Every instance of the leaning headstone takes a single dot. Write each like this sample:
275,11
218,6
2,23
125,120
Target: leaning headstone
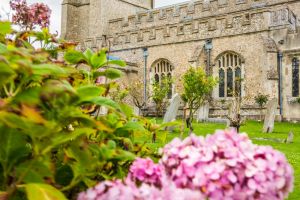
202,114
270,116
232,112
136,111
172,109
290,137
103,111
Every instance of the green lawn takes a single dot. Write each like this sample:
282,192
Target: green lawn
253,129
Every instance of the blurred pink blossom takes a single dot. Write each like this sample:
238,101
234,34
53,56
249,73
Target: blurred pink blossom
30,16
225,165
228,165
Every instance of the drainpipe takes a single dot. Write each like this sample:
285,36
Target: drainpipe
280,83
208,47
145,54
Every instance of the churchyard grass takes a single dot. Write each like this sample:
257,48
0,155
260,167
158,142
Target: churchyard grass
254,130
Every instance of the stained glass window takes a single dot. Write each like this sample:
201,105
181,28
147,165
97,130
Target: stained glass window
229,82
295,77
170,86
163,68
230,74
221,83
238,79
156,77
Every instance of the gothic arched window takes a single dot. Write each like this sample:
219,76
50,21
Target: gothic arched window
161,69
230,74
295,77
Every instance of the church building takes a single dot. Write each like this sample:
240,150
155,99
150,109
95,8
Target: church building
257,41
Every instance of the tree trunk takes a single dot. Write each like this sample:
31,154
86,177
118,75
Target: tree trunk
154,137
190,121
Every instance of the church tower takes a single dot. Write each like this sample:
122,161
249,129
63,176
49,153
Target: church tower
89,18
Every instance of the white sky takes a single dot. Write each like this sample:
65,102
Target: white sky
56,9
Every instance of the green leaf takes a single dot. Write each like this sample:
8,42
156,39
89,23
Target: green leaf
168,124
6,73
48,69
5,28
37,171
3,48
127,110
30,96
112,73
84,160
124,156
102,101
66,137
74,57
88,55
12,147
99,59
111,144
43,192
64,175
120,63
89,91
128,129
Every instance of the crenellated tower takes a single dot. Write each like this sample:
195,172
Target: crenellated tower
89,18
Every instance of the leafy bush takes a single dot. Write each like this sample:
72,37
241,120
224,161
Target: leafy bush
197,88
223,165
159,95
51,140
261,100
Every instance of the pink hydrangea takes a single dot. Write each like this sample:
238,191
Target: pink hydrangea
117,190
227,165
146,171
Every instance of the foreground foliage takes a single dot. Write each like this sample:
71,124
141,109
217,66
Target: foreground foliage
53,141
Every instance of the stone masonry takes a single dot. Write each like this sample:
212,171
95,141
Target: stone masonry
255,31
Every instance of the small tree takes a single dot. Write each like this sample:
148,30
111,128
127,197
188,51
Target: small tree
136,92
197,88
160,91
261,100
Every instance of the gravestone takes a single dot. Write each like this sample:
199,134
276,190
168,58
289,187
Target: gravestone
202,114
136,111
290,137
172,109
232,109
270,116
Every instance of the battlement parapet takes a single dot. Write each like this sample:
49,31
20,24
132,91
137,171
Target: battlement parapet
182,12
195,20
283,17
76,3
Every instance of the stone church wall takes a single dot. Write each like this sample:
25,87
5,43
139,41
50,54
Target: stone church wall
254,29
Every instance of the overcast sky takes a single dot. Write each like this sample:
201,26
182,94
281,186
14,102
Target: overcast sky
56,9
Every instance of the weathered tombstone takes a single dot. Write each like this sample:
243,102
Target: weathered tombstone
270,116
103,111
290,137
172,109
231,114
136,111
202,114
